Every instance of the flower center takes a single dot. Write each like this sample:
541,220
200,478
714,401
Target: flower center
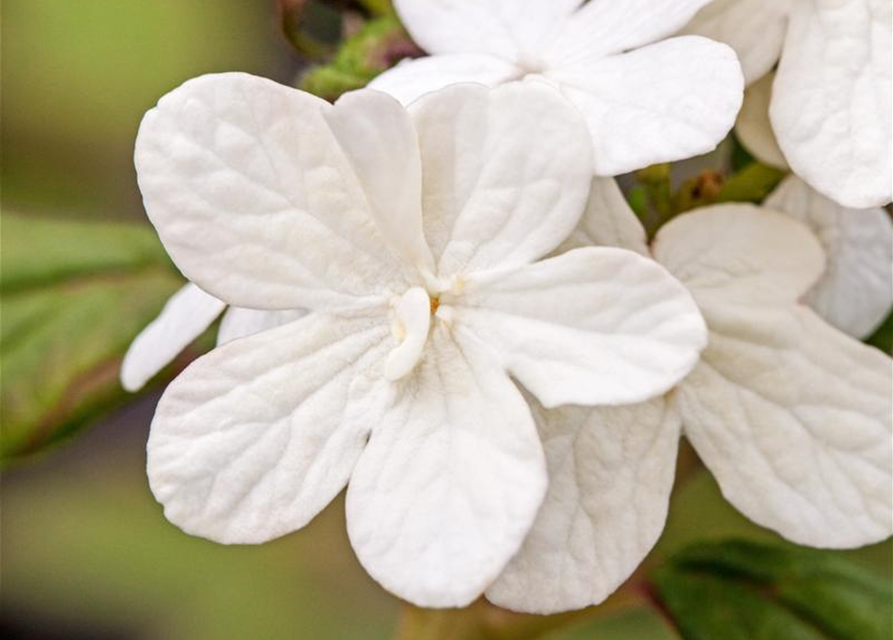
412,320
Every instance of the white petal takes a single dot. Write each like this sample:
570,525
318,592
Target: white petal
257,436
608,221
504,28
604,27
254,199
184,318
506,173
239,322
754,129
610,475
755,29
412,79
740,254
667,101
831,103
591,326
794,420
451,479
856,291
379,140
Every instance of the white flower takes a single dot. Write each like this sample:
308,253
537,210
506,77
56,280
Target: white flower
792,416
831,102
412,238
856,290
645,99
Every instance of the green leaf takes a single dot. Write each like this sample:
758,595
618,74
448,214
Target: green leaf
378,46
883,337
752,591
73,294
752,184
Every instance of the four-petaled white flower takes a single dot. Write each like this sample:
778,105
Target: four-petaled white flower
831,102
414,239
792,416
645,99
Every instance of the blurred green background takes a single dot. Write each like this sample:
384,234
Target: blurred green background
86,551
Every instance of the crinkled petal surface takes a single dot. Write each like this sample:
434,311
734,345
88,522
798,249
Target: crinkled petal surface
596,325
412,79
184,318
666,101
503,28
831,104
377,134
256,437
754,129
610,475
239,322
755,29
608,221
255,200
794,420
856,291
740,254
451,480
506,173
603,27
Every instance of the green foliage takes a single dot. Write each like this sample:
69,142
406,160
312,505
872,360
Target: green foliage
751,184
73,296
883,337
379,45
752,591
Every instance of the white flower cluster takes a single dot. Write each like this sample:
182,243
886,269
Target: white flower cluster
449,308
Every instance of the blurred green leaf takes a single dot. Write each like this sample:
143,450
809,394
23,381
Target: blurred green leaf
73,294
751,184
883,337
752,591
378,46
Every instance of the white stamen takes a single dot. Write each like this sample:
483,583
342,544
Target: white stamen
411,324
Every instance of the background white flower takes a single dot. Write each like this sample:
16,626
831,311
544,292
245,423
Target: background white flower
792,416
187,315
645,99
855,292
412,238
831,102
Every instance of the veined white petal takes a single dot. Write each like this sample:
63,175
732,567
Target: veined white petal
855,292
755,29
412,79
503,28
794,419
413,321
451,480
831,102
610,475
184,318
591,326
239,322
754,129
608,222
666,101
256,437
506,171
604,27
740,254
379,140
255,200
